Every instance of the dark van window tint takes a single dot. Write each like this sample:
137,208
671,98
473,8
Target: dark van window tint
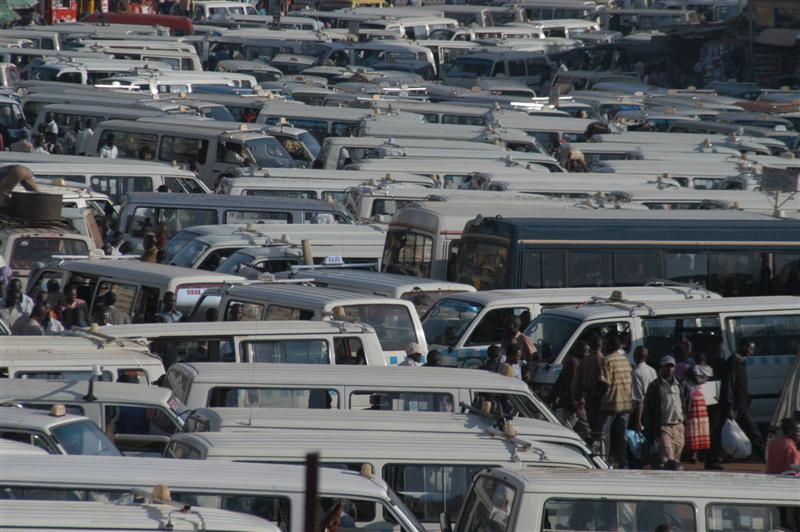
316,398
583,514
401,401
129,144
516,68
286,351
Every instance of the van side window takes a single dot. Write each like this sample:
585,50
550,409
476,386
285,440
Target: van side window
315,398
499,69
126,295
604,330
751,517
349,351
286,351
773,335
129,143
516,68
273,508
65,375
117,186
511,402
583,514
237,311
490,328
31,439
146,305
661,335
243,217
355,510
278,312
182,149
401,401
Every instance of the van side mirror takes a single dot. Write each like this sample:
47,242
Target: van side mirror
444,523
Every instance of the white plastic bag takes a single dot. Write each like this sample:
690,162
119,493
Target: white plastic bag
734,441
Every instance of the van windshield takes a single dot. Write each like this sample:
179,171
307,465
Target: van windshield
177,242
550,333
447,321
311,143
392,323
83,437
269,153
27,252
189,254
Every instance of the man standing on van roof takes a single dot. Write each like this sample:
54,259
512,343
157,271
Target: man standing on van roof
734,395
413,356
615,405
665,407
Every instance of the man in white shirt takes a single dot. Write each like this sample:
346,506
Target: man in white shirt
109,149
643,375
413,356
50,124
83,138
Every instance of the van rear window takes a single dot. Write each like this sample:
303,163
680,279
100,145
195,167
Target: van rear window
401,401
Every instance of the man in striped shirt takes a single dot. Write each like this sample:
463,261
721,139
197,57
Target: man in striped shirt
615,403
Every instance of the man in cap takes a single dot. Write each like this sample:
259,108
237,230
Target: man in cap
665,407
413,355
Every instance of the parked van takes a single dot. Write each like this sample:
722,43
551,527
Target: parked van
216,151
73,516
138,286
137,418
66,358
209,484
428,476
350,388
332,191
288,342
714,326
463,326
395,320
420,291
538,499
276,246
170,213
54,431
531,68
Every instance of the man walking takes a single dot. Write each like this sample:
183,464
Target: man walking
734,395
615,405
587,387
664,414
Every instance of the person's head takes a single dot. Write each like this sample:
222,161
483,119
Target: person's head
667,369
53,286
613,344
434,358
524,319
109,299
149,240
212,314
126,248
513,325
110,140
49,117
70,294
146,153
581,349
640,354
791,428
236,312
162,188
41,311
414,351
16,284
701,357
90,123
513,354
746,347
595,342
169,301
13,297
41,296
680,353
493,352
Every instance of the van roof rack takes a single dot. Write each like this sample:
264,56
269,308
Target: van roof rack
297,268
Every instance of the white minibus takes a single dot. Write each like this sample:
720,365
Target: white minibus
713,326
463,326
351,388
514,500
275,492
395,320
138,286
64,358
287,342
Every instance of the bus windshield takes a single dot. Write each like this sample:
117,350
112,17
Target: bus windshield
268,153
408,253
550,333
483,263
447,321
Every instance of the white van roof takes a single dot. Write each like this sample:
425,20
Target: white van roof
661,484
75,391
239,328
147,273
76,515
672,308
319,375
547,296
180,475
18,450
343,278
33,419
43,352
302,295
